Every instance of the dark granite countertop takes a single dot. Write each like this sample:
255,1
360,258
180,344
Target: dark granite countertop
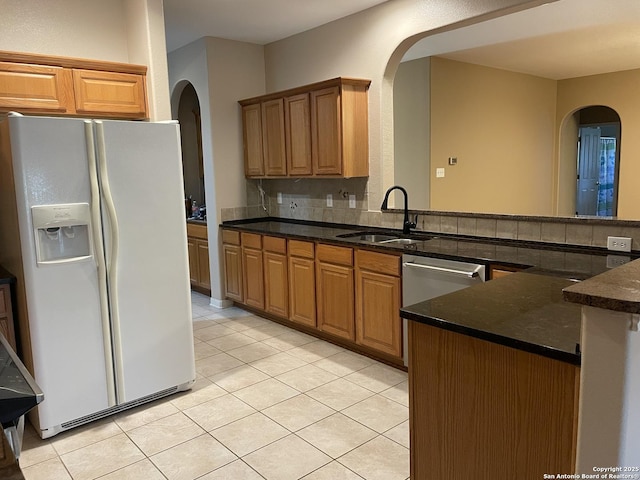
523,310
617,289
555,260
6,277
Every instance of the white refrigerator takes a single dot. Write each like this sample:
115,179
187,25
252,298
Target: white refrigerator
92,224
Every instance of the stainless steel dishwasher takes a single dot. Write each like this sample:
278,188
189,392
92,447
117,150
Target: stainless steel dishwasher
424,278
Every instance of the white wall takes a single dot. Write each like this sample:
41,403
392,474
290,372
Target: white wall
370,45
128,31
412,132
222,72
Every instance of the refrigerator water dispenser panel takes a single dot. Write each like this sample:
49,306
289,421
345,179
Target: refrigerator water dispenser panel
61,233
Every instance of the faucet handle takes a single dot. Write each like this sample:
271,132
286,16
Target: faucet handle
415,222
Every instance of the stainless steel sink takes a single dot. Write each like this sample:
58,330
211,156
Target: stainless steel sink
376,238
380,238
404,241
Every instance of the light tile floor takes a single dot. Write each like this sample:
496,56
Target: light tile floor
268,403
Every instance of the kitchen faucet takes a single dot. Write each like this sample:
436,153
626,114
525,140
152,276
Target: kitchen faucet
407,225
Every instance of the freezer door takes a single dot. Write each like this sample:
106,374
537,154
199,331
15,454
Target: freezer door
50,165
146,251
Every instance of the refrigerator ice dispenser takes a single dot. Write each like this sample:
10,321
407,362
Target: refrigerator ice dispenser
61,233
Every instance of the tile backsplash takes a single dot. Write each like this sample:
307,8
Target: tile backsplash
306,199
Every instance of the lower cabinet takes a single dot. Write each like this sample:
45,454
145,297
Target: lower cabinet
335,290
232,260
198,247
354,295
252,270
276,276
378,299
302,283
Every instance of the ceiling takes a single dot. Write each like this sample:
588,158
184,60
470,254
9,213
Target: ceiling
253,21
565,39
561,39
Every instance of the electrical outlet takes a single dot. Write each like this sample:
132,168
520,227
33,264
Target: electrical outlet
620,244
329,200
439,172
352,201
279,198
614,261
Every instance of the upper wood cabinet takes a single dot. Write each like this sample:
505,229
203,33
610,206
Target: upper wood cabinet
298,134
105,93
275,161
317,130
252,136
39,84
35,88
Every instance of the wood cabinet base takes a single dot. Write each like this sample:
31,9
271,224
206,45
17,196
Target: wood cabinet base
488,412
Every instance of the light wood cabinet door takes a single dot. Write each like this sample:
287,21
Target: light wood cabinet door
276,284
35,88
253,277
378,323
273,137
335,299
252,134
204,275
298,134
194,273
233,272
326,125
99,93
6,316
302,291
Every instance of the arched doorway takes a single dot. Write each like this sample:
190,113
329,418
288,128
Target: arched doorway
191,138
590,156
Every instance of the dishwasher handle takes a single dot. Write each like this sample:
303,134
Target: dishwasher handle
466,273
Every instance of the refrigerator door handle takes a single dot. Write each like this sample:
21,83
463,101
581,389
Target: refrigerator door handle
112,265
100,261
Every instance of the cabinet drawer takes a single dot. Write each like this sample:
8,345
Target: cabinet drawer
197,231
231,237
252,240
378,262
301,249
274,244
333,254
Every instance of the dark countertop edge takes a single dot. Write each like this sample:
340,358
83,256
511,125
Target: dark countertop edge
237,224
530,218
617,290
196,221
574,359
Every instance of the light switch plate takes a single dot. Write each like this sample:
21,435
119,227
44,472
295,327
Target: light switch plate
352,201
620,244
279,198
329,200
439,172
